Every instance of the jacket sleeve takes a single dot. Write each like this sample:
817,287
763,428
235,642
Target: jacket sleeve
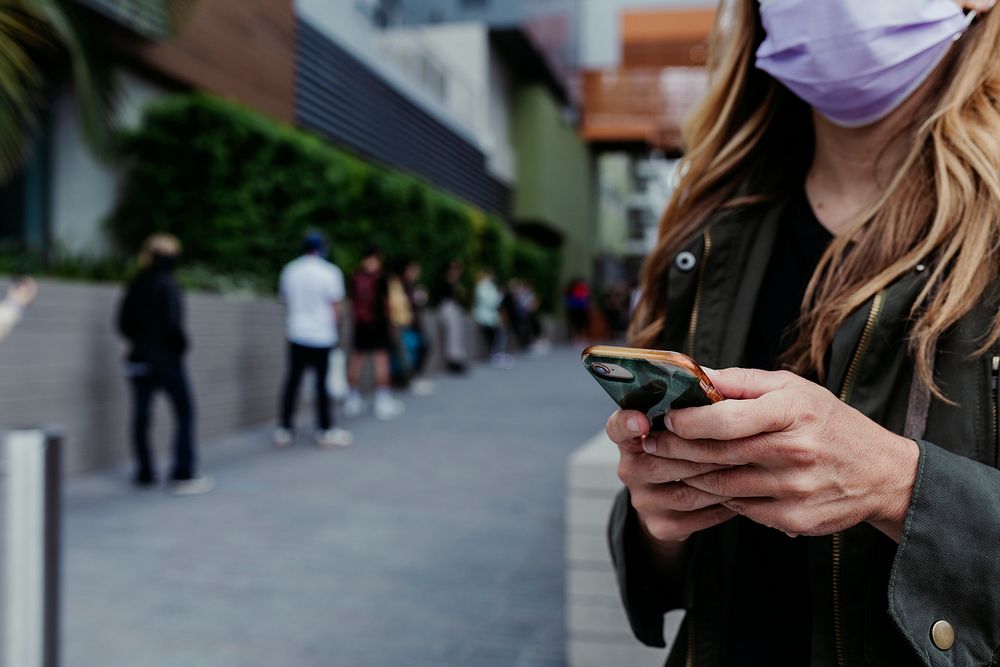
947,565
10,315
645,604
174,313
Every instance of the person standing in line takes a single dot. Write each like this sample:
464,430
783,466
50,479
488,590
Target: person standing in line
486,313
151,318
453,320
578,309
313,291
414,337
372,338
19,296
407,299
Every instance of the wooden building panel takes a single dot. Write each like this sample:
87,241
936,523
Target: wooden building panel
666,38
241,49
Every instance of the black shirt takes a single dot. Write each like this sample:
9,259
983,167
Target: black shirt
770,566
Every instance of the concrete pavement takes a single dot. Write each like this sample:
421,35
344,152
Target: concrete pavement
435,541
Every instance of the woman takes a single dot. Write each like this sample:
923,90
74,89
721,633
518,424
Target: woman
838,216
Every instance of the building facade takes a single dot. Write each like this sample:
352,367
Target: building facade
437,101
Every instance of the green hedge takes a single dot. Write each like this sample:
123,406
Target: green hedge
240,190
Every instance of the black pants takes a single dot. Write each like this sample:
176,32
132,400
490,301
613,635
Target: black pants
171,379
300,359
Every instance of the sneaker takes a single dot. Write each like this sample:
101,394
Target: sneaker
422,387
196,486
283,438
354,406
333,438
387,408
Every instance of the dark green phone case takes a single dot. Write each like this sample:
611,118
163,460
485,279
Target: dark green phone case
655,389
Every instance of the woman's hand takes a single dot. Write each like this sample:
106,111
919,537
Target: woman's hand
806,463
23,292
669,510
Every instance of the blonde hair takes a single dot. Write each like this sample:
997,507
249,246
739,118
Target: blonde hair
164,245
750,140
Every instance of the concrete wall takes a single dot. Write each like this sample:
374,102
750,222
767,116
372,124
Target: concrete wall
62,366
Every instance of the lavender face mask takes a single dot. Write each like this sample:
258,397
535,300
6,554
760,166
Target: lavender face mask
856,61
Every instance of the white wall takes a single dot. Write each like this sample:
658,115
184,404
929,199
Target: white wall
502,156
600,26
83,190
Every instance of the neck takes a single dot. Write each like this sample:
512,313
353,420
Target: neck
852,166
850,169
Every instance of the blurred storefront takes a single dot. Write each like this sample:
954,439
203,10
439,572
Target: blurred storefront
632,118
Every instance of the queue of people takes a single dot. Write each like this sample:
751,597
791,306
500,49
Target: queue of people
387,341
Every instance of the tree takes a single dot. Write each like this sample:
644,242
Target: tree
40,41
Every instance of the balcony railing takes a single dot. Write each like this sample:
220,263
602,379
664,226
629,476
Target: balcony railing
640,104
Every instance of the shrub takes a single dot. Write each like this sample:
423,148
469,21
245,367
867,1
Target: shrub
241,190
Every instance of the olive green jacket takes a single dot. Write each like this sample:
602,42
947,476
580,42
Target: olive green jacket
874,602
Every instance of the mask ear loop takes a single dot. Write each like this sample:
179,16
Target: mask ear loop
969,18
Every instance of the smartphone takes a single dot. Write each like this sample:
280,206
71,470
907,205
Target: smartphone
653,382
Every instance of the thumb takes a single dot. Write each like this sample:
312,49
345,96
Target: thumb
743,383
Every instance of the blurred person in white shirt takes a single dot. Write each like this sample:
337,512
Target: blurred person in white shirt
313,290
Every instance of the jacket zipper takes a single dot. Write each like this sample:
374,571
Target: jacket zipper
692,331
996,409
845,395
689,660
693,326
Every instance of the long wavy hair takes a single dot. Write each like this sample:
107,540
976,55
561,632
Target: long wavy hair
750,141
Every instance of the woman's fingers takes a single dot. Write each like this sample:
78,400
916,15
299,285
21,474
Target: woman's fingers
741,482
626,428
678,526
732,453
734,419
637,467
650,499
742,383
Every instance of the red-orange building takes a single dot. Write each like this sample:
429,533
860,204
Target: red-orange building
661,77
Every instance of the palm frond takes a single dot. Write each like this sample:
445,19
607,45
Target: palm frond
94,82
26,47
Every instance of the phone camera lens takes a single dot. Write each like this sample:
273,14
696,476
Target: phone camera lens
601,369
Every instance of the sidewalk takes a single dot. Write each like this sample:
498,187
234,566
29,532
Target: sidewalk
435,541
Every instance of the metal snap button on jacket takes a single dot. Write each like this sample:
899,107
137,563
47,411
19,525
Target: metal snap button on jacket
685,261
943,635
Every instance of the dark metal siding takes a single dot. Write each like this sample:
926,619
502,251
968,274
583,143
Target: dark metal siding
341,98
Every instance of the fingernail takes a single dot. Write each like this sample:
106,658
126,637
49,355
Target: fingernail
649,446
667,423
633,424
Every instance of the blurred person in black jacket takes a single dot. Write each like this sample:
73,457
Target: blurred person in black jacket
151,318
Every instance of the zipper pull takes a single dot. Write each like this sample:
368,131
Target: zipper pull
996,370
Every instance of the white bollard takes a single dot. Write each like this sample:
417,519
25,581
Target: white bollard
31,574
